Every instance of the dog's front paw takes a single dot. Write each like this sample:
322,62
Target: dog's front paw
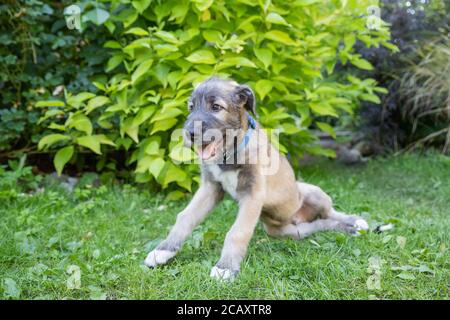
223,274
157,257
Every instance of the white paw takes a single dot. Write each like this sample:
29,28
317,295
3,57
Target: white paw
222,274
157,257
360,225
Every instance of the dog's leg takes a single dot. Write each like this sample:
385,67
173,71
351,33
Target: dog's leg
317,204
204,200
237,239
357,222
305,229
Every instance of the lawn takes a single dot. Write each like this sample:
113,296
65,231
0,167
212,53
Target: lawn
91,243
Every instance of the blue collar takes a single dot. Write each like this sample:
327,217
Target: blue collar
247,136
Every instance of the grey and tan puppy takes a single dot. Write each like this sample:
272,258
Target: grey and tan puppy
238,158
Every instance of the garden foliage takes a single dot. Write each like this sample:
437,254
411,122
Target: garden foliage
285,50
416,110
38,56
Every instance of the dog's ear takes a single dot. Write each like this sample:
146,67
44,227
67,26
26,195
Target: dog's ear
246,98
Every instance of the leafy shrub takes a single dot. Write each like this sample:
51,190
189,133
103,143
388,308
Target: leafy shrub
38,57
425,90
286,51
16,177
414,24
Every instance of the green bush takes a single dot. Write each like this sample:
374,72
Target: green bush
38,57
415,28
425,92
285,50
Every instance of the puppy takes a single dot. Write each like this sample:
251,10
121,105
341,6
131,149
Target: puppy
238,158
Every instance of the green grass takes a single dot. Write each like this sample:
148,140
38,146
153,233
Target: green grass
107,232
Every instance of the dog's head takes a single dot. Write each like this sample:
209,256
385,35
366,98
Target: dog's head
217,108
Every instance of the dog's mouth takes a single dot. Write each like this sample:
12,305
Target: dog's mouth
208,150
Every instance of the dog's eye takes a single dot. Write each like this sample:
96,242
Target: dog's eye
190,106
216,107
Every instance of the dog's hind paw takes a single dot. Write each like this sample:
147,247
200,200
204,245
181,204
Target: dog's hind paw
158,257
361,224
223,274
354,225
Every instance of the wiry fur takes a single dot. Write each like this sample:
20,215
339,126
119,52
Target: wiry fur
285,206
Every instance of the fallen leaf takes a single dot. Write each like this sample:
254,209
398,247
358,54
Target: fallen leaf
425,268
401,241
406,276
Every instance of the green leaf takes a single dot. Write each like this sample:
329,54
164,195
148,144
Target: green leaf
137,32
90,142
212,35
166,113
142,115
306,2
57,126
380,90
325,127
49,103
275,18
167,37
370,97
425,269
105,140
290,128
406,276
172,174
112,44
362,64
202,56
141,5
163,125
141,70
78,99
50,139
156,166
202,5
349,41
114,61
81,123
97,16
235,62
263,87
62,157
265,56
323,109
280,36
152,148
95,103
152,164
130,129
175,195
